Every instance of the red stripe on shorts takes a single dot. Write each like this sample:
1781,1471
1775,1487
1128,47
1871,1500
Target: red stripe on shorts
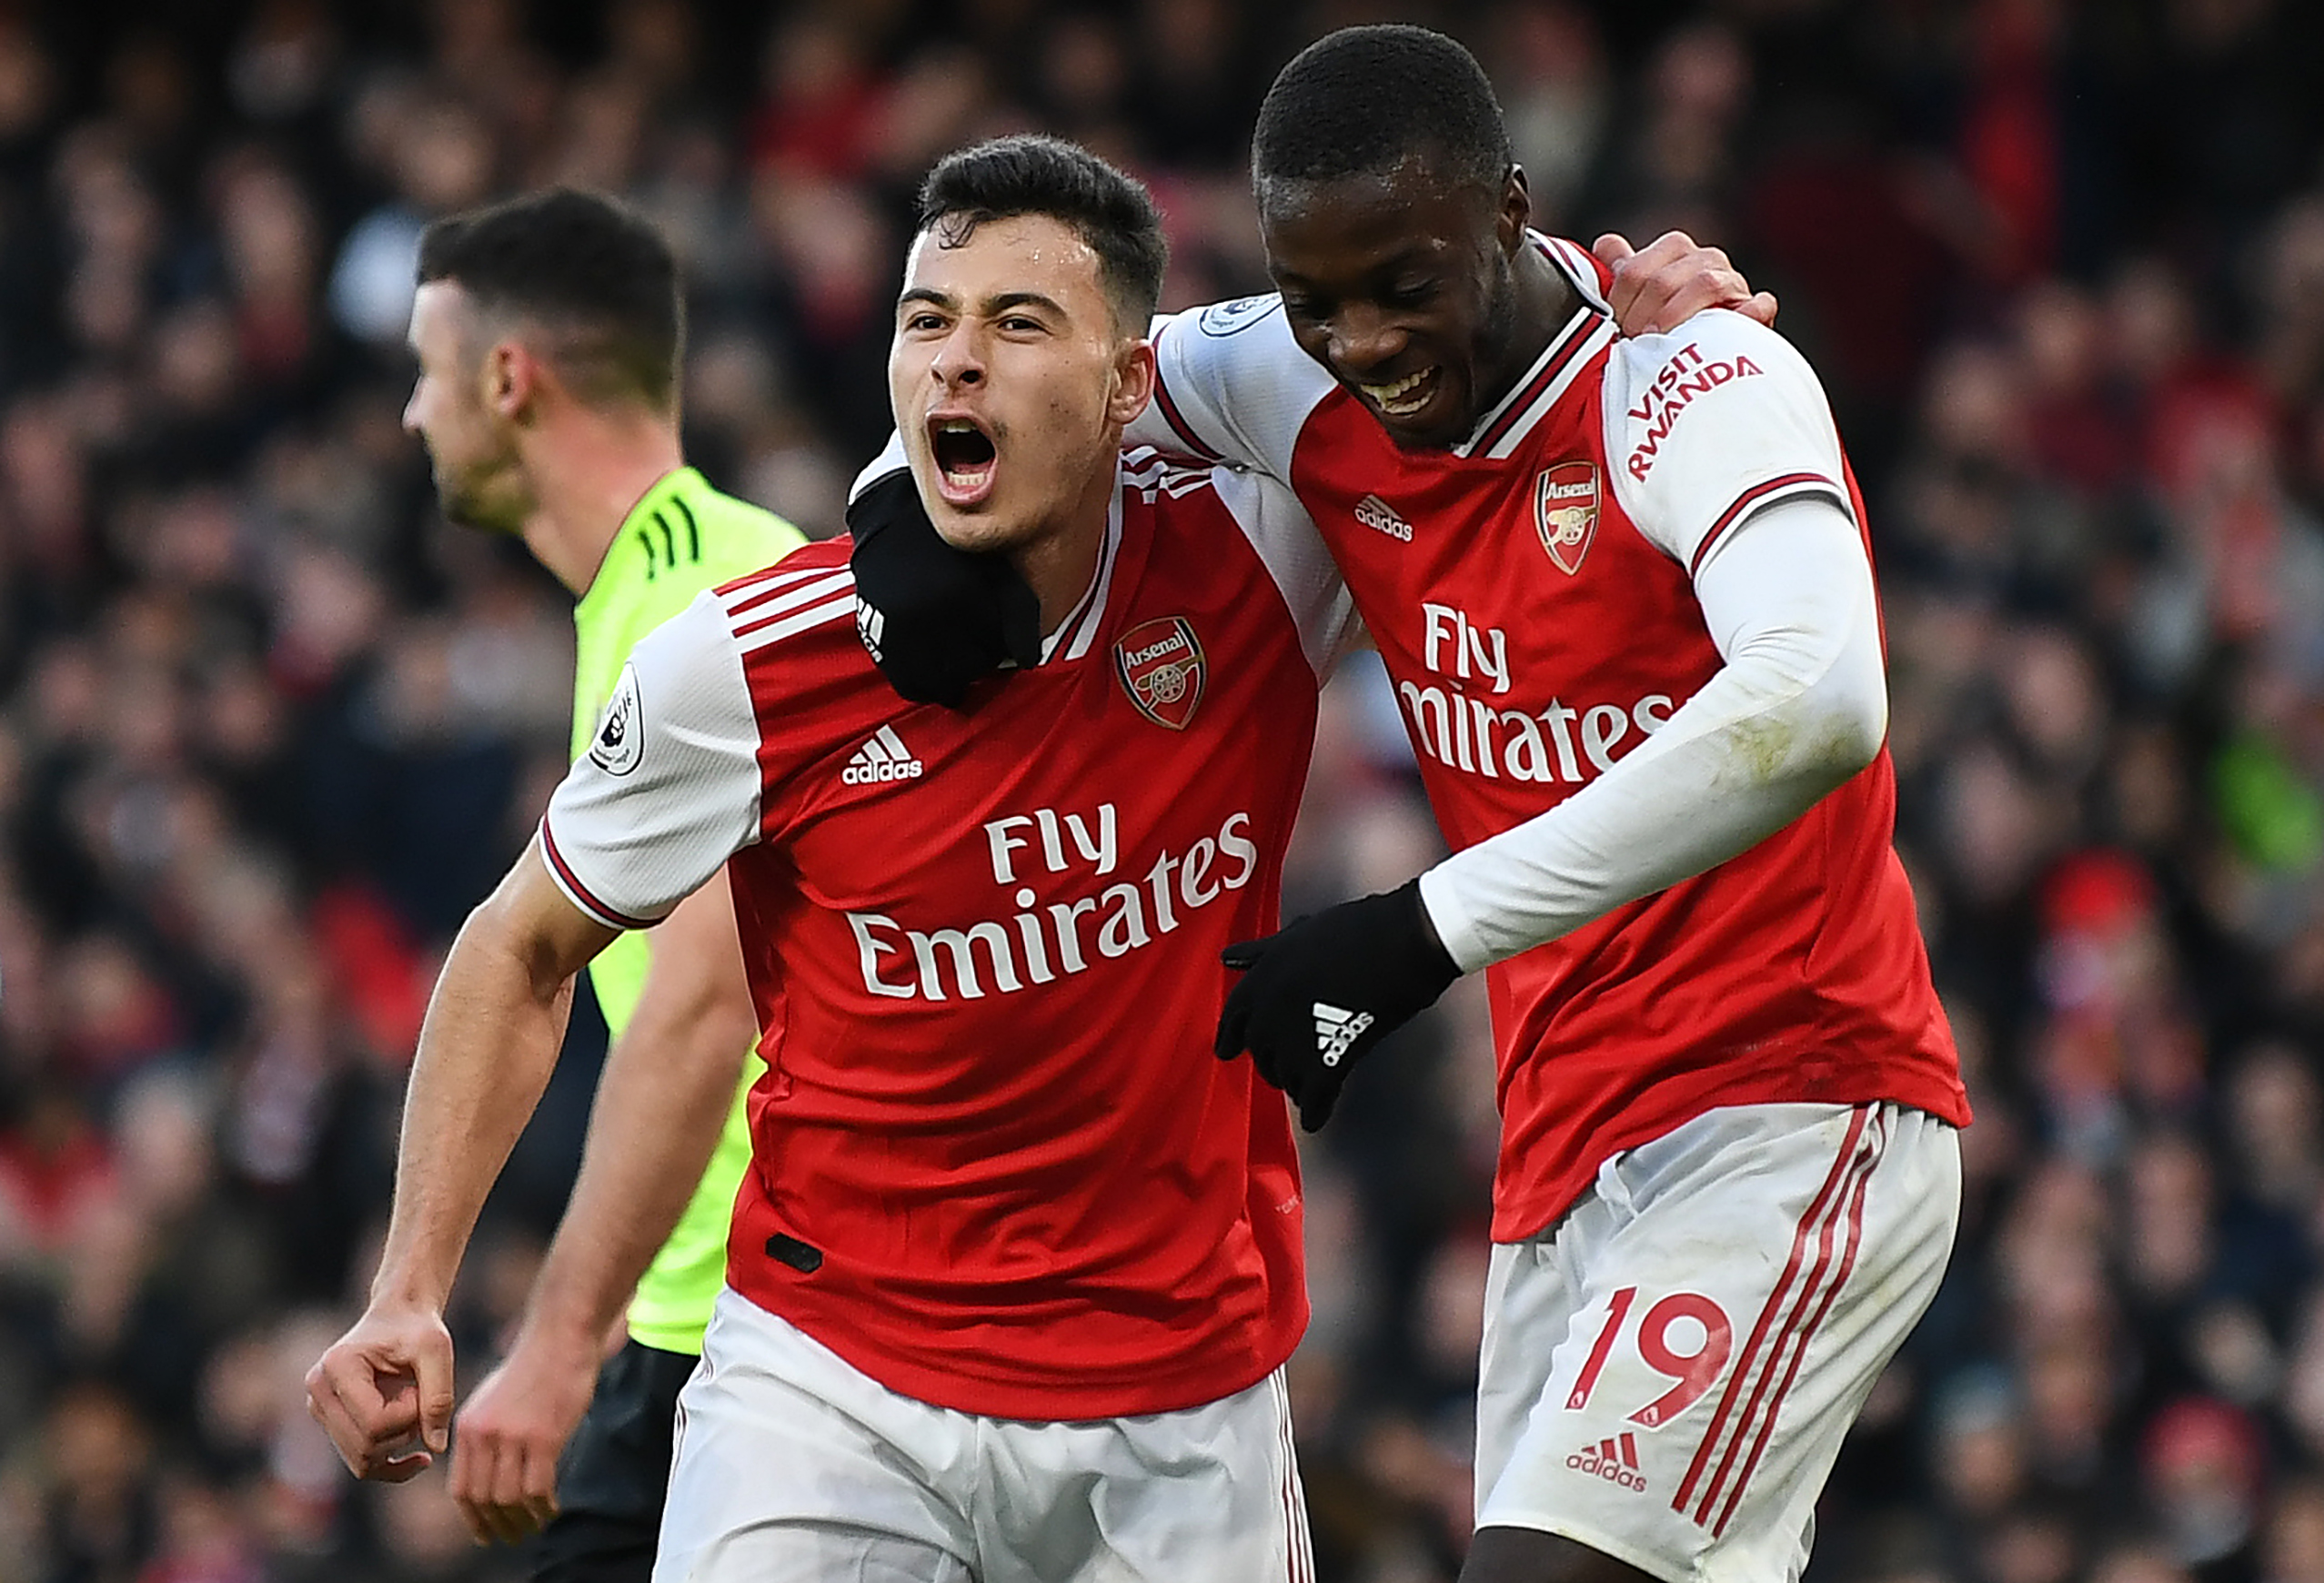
1828,1225
1861,1185
1823,1200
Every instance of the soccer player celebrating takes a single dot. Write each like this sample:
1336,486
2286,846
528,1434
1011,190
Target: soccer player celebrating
1623,590
1016,1263
548,331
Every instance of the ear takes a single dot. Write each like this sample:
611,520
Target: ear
1516,211
1133,381
512,379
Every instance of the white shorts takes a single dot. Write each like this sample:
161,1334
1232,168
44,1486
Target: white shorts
793,1467
1668,1377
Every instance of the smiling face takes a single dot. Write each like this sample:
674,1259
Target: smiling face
1011,379
1404,286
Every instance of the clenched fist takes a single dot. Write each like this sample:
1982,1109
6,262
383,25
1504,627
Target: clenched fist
383,1392
513,1431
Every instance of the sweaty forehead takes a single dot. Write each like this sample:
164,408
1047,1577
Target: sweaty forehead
1022,253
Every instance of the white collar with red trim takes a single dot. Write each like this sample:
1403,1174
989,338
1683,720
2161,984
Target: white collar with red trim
1080,629
1506,423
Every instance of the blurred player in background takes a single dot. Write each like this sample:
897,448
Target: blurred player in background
548,331
1622,591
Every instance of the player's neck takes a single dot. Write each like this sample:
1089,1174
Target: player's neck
1059,566
1545,300
588,478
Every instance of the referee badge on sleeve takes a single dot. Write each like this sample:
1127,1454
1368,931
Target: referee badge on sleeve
619,741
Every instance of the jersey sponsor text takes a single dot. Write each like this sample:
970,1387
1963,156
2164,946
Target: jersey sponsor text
1687,375
1040,943
1562,743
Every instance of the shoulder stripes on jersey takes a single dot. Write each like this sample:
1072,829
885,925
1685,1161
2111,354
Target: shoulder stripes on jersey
784,606
578,893
747,593
1765,493
1146,470
1080,629
775,605
1497,434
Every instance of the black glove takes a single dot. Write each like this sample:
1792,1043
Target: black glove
1316,996
934,619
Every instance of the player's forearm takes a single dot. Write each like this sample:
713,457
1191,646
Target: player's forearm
1799,707
663,1098
489,1042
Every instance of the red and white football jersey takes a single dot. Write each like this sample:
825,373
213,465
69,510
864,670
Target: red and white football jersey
1530,591
995,1165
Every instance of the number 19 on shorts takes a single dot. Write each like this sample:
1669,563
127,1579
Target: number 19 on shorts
1686,1337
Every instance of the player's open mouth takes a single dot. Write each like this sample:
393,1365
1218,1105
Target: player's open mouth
1405,398
965,459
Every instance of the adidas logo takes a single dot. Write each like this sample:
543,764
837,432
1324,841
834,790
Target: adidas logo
883,758
1616,1460
1336,1029
871,626
1376,513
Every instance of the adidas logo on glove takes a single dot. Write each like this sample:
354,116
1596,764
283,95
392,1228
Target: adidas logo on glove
1336,1028
871,626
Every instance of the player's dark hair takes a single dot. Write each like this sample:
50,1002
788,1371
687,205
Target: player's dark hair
1024,174
597,278
1362,100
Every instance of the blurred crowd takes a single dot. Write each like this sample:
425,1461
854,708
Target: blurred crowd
268,727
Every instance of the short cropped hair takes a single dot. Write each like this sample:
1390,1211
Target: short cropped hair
1004,178
598,277
1361,101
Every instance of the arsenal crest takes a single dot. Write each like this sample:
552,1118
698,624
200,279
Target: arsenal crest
1566,509
1160,667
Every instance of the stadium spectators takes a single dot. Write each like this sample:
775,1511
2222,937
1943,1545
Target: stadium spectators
268,728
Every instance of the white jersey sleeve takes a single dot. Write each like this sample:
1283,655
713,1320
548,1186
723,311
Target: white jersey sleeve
671,786
1711,423
1231,386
